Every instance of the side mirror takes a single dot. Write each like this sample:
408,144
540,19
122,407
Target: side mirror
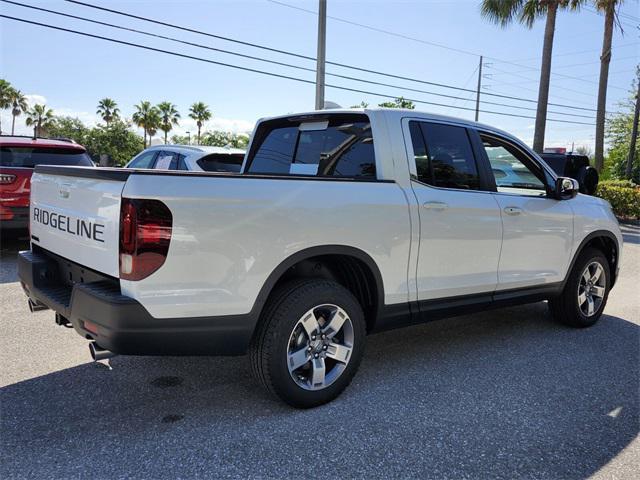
566,188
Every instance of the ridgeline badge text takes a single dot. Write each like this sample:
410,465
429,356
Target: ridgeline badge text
73,226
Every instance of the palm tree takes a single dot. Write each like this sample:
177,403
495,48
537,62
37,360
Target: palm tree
169,117
200,112
504,12
153,122
18,106
40,117
108,110
145,117
5,91
609,7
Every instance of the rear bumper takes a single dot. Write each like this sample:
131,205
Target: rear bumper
14,217
98,311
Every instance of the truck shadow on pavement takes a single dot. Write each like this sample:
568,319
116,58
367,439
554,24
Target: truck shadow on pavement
503,394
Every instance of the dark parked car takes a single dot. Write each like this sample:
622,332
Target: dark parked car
573,166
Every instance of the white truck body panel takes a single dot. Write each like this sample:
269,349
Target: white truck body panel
228,238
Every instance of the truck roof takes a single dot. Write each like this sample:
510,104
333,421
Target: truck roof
394,113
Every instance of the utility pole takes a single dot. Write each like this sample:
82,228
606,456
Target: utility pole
478,90
634,134
322,43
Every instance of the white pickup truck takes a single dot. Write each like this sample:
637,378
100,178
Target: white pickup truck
341,223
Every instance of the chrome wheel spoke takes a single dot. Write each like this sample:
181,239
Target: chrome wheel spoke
298,359
582,298
590,306
318,375
597,273
597,291
335,323
340,353
586,276
310,324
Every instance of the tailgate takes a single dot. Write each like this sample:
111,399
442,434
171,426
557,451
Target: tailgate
75,213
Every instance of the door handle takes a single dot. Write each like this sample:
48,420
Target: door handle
512,210
437,206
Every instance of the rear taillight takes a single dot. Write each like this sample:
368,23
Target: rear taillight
145,234
6,178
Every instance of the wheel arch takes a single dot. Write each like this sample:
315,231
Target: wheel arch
607,243
351,267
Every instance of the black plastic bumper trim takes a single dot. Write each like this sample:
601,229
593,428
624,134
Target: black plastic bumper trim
122,324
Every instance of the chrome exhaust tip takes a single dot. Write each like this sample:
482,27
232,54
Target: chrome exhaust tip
36,307
99,353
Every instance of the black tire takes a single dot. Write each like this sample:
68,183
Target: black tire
269,348
565,308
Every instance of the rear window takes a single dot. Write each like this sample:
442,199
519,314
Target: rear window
221,162
30,157
340,146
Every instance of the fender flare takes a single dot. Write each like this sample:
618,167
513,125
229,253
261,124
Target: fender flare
595,234
311,252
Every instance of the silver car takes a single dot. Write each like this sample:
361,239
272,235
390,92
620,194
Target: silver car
194,158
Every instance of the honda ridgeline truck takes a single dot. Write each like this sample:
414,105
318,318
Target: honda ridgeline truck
340,223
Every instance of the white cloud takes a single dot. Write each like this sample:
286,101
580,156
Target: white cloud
216,123
34,98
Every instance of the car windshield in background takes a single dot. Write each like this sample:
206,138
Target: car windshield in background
30,157
222,162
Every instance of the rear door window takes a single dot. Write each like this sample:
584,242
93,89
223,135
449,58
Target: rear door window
341,146
444,156
29,157
166,161
221,162
144,160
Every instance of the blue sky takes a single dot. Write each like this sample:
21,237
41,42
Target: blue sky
72,73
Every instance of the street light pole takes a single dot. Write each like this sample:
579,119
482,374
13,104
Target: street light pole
322,40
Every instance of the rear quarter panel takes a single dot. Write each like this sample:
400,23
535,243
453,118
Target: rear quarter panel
229,234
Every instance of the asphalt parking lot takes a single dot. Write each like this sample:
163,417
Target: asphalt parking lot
499,394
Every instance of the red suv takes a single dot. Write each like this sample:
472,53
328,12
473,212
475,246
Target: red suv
18,157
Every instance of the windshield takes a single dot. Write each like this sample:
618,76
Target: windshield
31,156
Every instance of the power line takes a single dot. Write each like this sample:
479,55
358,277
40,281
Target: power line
406,37
361,69
262,72
345,77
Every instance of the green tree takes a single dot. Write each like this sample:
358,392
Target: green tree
5,91
69,127
40,118
362,104
399,102
609,8
200,112
18,105
116,140
504,12
180,139
219,138
108,110
154,124
146,117
169,116
618,136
